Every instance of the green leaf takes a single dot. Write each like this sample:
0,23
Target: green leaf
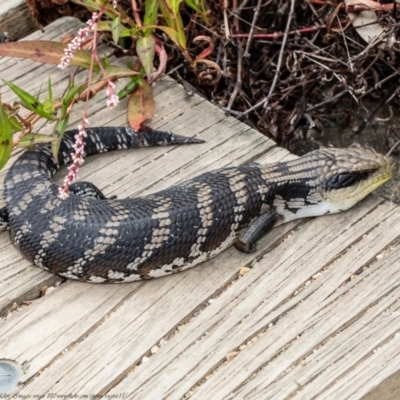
200,7
88,4
6,139
96,5
116,28
48,106
145,49
67,100
128,33
180,30
106,26
33,138
128,89
105,61
172,33
59,130
50,89
175,5
193,4
150,15
58,133
170,11
15,125
115,71
60,127
167,13
29,101
45,52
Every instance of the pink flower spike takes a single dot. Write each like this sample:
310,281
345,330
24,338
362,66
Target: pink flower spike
77,41
93,20
110,88
73,45
112,101
77,159
63,194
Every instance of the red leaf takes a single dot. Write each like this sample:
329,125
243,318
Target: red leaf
163,57
207,51
141,106
43,51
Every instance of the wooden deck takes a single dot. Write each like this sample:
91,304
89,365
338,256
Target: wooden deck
314,314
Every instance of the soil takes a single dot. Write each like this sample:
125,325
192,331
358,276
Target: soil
324,82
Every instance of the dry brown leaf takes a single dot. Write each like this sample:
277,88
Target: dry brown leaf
365,22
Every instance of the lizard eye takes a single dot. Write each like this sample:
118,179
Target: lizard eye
345,179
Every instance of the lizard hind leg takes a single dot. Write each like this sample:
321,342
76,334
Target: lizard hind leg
247,239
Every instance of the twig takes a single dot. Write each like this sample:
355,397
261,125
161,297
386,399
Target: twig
345,44
332,60
190,90
278,35
227,34
371,113
299,56
394,147
238,84
327,101
235,21
253,23
241,53
236,12
265,101
380,83
173,69
136,15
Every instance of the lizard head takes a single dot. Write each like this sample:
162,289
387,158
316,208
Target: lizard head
328,180
349,175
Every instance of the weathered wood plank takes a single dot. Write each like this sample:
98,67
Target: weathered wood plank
353,322
307,326
263,300
352,348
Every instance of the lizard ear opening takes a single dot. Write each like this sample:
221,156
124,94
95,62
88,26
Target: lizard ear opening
345,179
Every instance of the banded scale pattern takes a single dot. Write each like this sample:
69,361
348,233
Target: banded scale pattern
94,239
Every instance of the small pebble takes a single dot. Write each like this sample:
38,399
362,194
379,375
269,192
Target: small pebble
232,355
